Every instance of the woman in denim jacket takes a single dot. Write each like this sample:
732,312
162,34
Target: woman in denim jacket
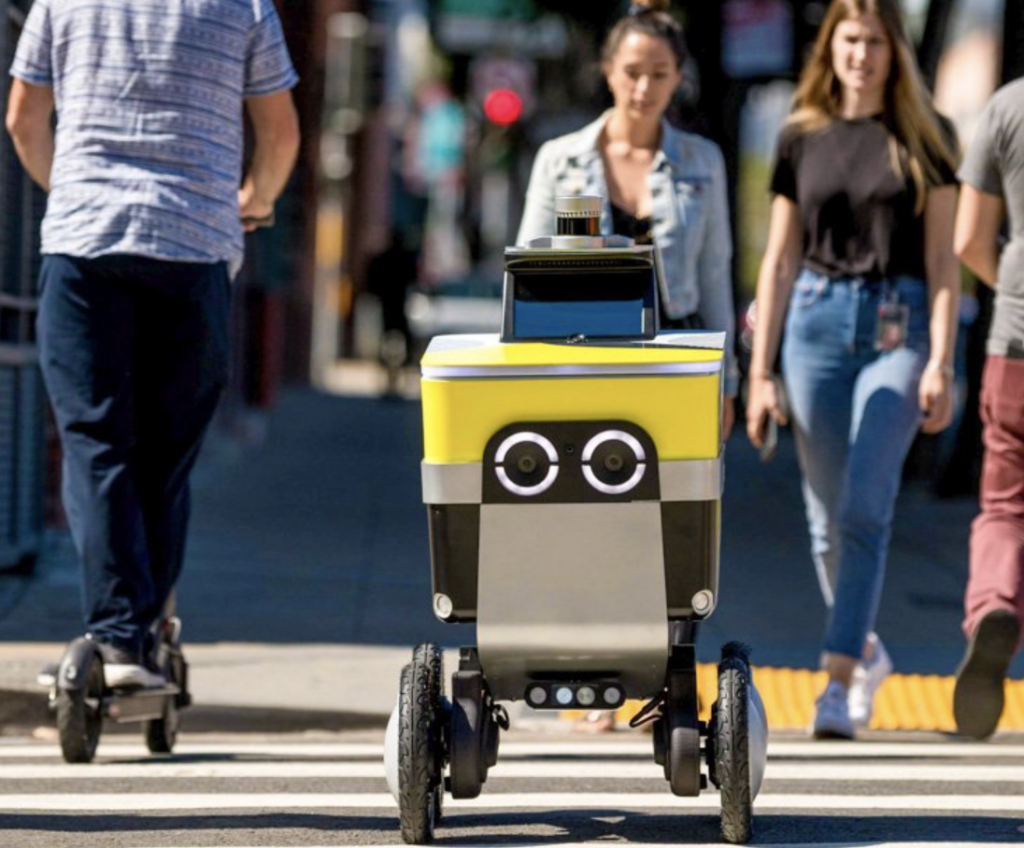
660,185
860,267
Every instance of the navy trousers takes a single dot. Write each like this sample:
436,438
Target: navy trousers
134,356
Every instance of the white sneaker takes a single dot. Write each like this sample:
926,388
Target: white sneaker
867,677
832,714
131,677
122,670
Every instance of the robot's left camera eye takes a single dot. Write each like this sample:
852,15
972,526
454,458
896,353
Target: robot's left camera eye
614,462
526,464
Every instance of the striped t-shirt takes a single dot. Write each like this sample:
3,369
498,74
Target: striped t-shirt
149,137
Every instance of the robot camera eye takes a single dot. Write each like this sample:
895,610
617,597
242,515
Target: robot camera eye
614,462
526,464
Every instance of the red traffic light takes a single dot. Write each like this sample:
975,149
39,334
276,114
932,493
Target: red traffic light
503,106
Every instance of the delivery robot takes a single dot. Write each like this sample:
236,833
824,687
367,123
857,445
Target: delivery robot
572,475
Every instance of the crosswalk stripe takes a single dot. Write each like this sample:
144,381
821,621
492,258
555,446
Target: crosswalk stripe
841,844
943,772
521,750
122,803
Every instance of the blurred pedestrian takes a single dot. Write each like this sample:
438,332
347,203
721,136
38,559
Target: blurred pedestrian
860,268
389,275
660,185
993,184
142,233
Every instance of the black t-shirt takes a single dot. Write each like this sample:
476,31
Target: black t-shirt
857,212
639,229
627,224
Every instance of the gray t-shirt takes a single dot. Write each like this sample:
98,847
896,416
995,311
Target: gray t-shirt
994,164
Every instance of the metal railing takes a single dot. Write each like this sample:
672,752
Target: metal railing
22,418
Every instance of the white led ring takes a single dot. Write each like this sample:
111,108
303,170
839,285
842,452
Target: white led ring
517,438
635,446
511,485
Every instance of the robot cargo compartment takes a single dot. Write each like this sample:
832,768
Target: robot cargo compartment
689,543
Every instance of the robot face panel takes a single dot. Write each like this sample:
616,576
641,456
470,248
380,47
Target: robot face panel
570,462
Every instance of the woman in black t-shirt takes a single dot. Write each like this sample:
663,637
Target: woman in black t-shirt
859,266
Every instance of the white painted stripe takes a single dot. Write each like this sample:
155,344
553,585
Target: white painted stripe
846,843
227,749
500,372
859,750
122,802
843,844
942,772
641,750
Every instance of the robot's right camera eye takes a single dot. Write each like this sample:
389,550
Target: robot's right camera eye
614,462
526,464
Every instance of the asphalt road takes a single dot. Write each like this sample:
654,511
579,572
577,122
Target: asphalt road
548,788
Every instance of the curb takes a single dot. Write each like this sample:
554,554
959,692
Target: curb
22,712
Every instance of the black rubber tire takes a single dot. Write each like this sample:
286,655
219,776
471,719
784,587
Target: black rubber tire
80,717
430,654
162,733
732,751
419,755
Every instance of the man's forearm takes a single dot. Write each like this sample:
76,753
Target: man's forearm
35,150
272,163
983,260
29,122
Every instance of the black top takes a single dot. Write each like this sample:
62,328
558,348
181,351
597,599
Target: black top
627,224
857,212
639,229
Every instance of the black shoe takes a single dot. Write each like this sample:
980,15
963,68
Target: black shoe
978,695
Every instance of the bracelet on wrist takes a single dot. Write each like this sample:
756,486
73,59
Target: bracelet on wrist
944,370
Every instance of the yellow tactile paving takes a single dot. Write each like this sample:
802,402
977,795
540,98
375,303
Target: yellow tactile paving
904,702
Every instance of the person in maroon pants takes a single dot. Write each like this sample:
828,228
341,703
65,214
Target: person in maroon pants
992,176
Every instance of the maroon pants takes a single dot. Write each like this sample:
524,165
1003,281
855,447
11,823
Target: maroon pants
997,535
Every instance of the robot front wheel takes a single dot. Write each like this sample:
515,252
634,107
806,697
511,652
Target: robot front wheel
415,745
737,743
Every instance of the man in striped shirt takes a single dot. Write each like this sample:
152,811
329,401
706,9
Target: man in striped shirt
142,234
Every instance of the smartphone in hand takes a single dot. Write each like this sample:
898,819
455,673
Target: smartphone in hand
770,439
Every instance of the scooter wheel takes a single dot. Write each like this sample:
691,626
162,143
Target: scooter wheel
732,746
80,717
419,743
162,733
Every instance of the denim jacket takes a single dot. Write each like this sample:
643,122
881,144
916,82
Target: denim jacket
689,217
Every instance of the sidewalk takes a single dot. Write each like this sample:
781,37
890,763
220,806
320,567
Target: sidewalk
307,579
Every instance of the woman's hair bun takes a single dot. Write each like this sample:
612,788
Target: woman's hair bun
652,5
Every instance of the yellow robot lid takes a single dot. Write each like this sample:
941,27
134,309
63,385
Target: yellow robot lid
485,355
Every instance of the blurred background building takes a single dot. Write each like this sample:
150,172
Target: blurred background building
420,121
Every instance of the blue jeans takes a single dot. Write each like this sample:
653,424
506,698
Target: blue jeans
855,413
134,356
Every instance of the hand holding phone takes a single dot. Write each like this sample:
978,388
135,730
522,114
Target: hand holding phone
771,416
770,438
